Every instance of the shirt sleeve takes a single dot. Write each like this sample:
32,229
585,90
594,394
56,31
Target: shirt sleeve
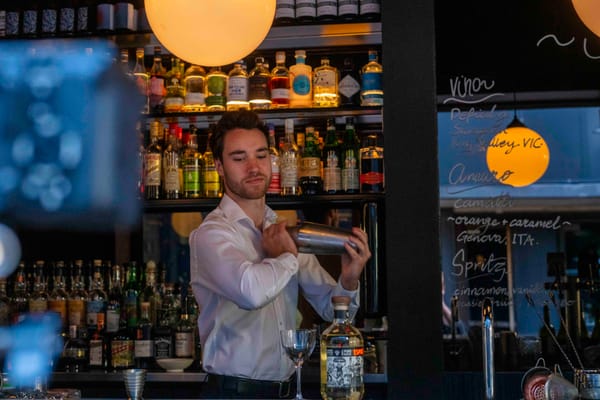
224,263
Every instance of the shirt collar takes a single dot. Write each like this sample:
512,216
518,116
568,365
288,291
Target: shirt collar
234,212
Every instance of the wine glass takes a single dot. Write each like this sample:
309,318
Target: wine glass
298,344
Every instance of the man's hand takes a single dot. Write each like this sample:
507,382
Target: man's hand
276,240
353,261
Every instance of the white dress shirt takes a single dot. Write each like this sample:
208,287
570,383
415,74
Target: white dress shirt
246,298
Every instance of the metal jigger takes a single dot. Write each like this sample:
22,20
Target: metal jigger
134,383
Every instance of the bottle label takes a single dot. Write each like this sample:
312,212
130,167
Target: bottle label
2,23
370,7
280,94
259,88
347,7
38,305
67,19
171,178
122,353
310,166
371,81
348,86
237,89
344,367
216,85
332,179
285,9
49,20
193,98
163,347
152,175
12,23
306,8
96,349
59,307
174,102
350,173
184,344
288,170
76,312
144,348
327,8
301,85
30,22
112,320
157,86
94,307
325,78
191,180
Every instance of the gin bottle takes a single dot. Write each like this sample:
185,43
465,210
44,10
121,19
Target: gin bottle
301,81
280,82
259,90
350,159
310,165
371,93
342,350
211,182
325,85
216,83
289,161
237,88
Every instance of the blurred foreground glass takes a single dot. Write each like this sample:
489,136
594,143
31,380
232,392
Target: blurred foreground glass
299,344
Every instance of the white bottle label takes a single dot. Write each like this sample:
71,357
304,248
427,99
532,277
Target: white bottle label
344,368
285,9
347,7
327,8
237,89
96,353
348,86
370,7
184,344
143,348
306,8
194,98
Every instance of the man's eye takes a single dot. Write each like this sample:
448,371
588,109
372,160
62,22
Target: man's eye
238,159
261,156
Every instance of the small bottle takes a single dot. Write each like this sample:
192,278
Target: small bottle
174,96
142,79
285,12
371,93
211,181
184,337
105,16
300,81
332,173
349,86
288,161
216,84
153,167
194,81
66,18
310,165
342,350
350,159
280,82
75,355
237,88
275,184
144,343
125,18
372,177
327,10
347,9
325,85
192,167
157,82
306,10
370,9
259,93
13,19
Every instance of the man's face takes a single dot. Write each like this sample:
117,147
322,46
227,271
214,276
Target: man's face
246,164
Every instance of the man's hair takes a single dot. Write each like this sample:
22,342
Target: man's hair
243,119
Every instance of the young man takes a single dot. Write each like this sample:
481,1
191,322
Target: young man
246,271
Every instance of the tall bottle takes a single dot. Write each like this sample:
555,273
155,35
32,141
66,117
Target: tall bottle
97,298
275,184
142,79
350,159
130,296
372,176
301,81
216,94
342,350
57,300
211,181
125,18
285,12
280,82
75,355
325,85
76,303
149,293
19,300
194,81
184,336
38,300
174,95
153,167
371,92
157,82
98,346
115,302
349,86
170,160
310,164
332,173
192,166
289,161
122,349
259,86
237,88
144,343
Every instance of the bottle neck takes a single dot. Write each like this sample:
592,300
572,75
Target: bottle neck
340,315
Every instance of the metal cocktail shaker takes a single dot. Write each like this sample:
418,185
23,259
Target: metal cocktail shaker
316,238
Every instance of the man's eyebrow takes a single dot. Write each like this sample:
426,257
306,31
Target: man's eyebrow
236,152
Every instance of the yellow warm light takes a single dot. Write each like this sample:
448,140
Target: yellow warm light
210,32
589,13
517,156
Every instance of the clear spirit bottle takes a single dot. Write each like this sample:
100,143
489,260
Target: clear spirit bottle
325,85
157,82
275,184
192,166
174,95
280,82
259,88
142,79
237,88
97,298
300,81
350,159
289,161
371,93
153,167
194,81
310,164
211,181
371,167
332,173
342,351
216,95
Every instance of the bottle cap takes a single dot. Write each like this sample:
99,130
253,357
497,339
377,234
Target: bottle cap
300,53
280,56
342,300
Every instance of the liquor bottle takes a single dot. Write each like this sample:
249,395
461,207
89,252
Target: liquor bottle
167,319
122,349
300,81
342,350
38,300
105,16
57,300
174,95
372,177
289,160
332,173
371,92
130,296
194,88
325,85
310,165
347,9
144,343
76,302
114,305
184,337
193,310
75,354
97,297
259,93
153,167
306,10
13,19
157,82
125,18
170,169
31,17
4,304
216,90
350,159
149,293
86,17
211,182
19,300
49,18
349,86
98,346
142,19
192,166
67,18
237,88
275,184
370,9
280,82
142,79
285,12
327,10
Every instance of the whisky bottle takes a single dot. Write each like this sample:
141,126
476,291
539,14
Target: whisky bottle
332,173
289,161
184,337
216,95
350,159
280,82
211,181
310,165
157,82
275,184
142,79
153,167
38,301
259,92
371,93
122,349
97,298
144,343
75,355
372,177
192,166
300,81
57,300
342,351
325,85
76,302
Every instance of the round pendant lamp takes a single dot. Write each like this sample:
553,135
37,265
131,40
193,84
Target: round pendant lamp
517,156
589,13
210,32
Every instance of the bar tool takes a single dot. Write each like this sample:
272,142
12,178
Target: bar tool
316,238
134,383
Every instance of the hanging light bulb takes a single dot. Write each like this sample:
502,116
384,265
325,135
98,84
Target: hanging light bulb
588,12
517,156
210,32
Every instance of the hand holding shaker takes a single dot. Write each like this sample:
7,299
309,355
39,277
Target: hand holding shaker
316,238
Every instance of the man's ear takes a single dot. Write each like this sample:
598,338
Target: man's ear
219,166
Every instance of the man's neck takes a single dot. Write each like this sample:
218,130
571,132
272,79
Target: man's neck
254,208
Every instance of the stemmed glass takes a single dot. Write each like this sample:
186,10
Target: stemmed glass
298,344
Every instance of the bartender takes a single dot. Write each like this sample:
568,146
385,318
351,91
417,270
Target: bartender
246,271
